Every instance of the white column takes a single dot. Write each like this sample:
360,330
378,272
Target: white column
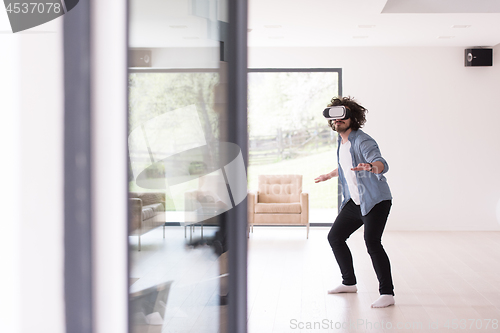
109,165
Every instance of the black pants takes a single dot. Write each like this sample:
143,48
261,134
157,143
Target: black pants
350,220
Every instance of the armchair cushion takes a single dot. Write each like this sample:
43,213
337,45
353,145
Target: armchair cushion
157,207
279,188
280,208
149,198
147,213
278,219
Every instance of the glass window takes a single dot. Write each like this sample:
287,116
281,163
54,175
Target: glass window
288,134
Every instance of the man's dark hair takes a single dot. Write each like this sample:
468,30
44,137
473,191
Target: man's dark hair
357,111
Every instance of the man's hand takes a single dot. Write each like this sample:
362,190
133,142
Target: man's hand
378,167
322,178
362,167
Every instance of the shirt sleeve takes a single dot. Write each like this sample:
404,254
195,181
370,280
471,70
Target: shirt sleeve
371,153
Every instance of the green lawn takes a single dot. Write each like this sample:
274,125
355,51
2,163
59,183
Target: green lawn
321,195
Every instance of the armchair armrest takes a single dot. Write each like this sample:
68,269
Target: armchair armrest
304,203
135,207
251,202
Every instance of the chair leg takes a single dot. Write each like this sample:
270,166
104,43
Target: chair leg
163,231
139,242
307,237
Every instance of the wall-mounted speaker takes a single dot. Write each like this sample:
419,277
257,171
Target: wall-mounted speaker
139,58
478,57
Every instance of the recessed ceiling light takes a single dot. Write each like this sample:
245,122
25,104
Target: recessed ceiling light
359,37
461,26
366,26
272,26
178,26
276,37
191,37
446,37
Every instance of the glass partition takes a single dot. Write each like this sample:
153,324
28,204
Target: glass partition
184,175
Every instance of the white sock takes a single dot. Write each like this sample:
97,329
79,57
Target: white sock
343,289
383,301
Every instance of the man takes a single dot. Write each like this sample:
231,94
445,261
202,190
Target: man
367,200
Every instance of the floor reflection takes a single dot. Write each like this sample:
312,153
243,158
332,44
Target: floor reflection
175,287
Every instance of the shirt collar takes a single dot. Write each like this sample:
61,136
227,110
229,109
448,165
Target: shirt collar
352,136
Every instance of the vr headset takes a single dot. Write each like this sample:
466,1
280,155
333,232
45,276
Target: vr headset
337,112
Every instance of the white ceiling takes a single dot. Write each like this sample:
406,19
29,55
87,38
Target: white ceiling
441,6
310,23
344,23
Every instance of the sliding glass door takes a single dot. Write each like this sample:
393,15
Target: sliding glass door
187,168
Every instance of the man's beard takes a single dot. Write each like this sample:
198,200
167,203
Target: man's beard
342,130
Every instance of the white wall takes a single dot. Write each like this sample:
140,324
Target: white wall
31,169
185,57
436,123
10,197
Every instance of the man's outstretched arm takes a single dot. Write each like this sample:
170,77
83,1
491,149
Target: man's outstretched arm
327,176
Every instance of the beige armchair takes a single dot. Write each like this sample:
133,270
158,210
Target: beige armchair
279,201
147,212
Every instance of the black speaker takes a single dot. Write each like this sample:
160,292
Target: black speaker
478,57
139,58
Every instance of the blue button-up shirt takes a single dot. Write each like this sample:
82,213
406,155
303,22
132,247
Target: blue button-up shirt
372,187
